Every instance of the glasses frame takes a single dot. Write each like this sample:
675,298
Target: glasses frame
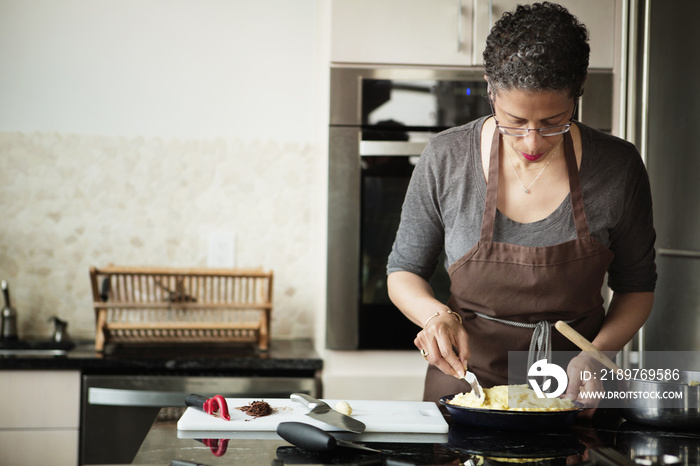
504,129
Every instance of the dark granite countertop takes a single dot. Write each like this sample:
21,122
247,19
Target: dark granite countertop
582,444
294,358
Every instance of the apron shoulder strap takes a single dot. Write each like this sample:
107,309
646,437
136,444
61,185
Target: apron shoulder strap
575,188
489,219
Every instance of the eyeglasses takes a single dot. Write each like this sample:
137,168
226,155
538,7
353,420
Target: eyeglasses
522,132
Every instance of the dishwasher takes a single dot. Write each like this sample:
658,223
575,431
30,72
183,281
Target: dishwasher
117,411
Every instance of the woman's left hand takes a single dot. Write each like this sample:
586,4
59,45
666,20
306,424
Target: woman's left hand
584,391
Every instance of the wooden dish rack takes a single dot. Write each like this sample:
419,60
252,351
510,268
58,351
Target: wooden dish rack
171,305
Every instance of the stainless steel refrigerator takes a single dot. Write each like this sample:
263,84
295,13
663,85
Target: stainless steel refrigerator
666,128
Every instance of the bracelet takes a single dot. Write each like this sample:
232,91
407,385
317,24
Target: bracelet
430,318
459,317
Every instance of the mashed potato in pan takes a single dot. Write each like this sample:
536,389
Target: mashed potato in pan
512,398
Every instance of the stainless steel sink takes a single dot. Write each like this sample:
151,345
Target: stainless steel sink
35,348
32,352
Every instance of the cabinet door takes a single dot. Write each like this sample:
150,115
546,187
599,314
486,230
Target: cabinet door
39,399
598,16
414,32
34,447
40,417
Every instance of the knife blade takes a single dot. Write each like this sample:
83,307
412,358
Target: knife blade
324,413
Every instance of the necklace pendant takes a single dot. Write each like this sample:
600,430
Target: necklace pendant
525,190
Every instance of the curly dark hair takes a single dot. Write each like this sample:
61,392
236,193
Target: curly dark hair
538,47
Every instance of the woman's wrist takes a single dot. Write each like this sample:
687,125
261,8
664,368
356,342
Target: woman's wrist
448,312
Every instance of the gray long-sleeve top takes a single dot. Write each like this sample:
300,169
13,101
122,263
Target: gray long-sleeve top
444,206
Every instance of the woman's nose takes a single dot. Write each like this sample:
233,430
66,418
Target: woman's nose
533,140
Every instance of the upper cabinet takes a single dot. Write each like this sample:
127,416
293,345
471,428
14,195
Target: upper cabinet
406,32
597,15
445,32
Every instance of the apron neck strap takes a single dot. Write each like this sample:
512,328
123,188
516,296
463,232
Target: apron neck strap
575,187
489,219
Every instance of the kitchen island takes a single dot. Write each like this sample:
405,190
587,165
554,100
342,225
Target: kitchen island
605,440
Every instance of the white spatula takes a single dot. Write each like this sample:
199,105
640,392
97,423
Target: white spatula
476,388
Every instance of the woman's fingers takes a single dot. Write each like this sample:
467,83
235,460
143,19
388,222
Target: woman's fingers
450,362
583,391
445,345
463,350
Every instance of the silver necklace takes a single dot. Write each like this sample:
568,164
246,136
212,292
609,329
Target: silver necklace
526,189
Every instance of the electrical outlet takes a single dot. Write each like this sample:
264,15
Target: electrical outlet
221,250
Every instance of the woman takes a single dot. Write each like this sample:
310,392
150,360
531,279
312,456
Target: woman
533,210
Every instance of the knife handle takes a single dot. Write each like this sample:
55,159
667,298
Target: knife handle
306,436
196,401
308,401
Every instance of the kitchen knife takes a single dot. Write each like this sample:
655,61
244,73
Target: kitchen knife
311,437
322,412
216,405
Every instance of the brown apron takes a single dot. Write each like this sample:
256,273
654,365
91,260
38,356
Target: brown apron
520,284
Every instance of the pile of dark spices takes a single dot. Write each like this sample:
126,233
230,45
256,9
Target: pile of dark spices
256,409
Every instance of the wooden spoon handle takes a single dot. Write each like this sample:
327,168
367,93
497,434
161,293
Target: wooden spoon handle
578,340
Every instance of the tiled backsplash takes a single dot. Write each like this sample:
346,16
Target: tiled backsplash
68,202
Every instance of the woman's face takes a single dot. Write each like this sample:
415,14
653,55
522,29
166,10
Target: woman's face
532,109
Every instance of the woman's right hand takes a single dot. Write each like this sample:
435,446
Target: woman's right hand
445,343
443,340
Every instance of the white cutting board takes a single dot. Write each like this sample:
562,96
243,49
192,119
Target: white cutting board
378,416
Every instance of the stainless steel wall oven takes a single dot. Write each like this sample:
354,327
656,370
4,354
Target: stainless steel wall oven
380,122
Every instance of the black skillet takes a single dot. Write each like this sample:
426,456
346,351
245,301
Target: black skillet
511,420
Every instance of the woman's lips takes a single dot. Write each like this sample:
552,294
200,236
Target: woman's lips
532,157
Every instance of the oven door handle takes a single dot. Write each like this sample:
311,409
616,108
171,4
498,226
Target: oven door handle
391,148
135,398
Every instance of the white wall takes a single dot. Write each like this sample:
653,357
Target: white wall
171,68
132,129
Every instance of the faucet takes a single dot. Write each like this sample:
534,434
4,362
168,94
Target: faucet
60,333
9,317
